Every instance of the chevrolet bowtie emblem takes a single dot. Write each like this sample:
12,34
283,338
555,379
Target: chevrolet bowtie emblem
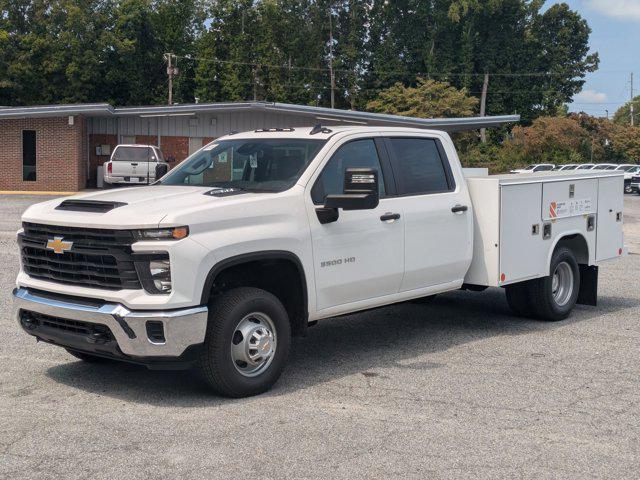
58,245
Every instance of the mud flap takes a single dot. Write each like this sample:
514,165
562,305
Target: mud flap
588,294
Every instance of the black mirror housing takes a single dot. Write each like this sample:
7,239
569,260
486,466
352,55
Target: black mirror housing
360,191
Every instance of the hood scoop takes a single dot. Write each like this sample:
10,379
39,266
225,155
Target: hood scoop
95,206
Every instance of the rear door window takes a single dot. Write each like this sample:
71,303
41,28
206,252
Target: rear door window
134,154
420,166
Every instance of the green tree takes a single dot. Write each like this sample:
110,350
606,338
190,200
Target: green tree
428,99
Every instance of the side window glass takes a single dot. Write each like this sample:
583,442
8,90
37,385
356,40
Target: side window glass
356,154
418,167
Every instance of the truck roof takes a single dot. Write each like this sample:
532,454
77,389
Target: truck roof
323,133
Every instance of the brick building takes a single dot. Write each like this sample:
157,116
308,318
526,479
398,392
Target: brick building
59,147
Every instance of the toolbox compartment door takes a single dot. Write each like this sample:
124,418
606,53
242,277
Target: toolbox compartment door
609,236
571,198
521,245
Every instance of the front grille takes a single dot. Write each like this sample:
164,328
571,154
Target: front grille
99,257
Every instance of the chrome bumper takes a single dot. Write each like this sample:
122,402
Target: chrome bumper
182,328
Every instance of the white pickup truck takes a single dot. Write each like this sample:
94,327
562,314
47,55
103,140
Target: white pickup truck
258,235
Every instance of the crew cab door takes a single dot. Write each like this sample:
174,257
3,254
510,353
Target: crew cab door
360,256
437,214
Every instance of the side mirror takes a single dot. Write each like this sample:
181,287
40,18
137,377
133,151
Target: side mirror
161,170
360,191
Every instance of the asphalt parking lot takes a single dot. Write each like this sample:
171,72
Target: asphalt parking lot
455,389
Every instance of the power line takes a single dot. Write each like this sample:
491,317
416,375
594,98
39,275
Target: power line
378,72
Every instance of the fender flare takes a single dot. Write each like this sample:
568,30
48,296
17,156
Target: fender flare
558,239
252,257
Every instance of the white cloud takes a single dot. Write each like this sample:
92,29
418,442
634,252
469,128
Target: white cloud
590,96
622,9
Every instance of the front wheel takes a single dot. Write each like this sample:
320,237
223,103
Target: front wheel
247,342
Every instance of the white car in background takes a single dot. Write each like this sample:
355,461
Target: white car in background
586,166
605,166
566,168
134,164
629,173
535,168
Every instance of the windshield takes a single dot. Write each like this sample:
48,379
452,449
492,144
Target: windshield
625,168
530,167
585,167
264,165
134,154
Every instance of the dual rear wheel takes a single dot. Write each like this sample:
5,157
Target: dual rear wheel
549,298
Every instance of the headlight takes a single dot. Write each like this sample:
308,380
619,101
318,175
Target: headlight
170,233
154,272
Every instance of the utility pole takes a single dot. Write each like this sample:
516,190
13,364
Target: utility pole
631,104
171,71
331,74
483,106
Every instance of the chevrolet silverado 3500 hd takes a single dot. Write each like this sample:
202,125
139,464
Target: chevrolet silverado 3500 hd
260,234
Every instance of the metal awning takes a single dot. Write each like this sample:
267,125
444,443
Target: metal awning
315,114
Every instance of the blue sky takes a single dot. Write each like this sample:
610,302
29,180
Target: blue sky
616,37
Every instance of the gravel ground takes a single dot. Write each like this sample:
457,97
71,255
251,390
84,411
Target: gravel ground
455,389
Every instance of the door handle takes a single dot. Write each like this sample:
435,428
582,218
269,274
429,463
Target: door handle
390,216
134,164
459,208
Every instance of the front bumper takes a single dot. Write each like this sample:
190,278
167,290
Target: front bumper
79,324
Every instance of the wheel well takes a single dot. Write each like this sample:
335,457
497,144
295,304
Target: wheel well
279,275
578,245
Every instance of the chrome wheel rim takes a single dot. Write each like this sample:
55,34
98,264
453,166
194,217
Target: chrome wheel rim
562,284
253,344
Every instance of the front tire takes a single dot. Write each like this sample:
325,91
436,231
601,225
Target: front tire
247,342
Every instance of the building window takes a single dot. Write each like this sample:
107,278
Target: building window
29,155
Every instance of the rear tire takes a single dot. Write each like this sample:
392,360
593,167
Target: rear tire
247,342
554,297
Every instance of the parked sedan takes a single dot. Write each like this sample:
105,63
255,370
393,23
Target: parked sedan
565,168
538,167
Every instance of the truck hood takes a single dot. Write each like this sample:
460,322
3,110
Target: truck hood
144,207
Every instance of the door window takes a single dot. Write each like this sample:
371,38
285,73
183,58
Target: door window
356,154
419,166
